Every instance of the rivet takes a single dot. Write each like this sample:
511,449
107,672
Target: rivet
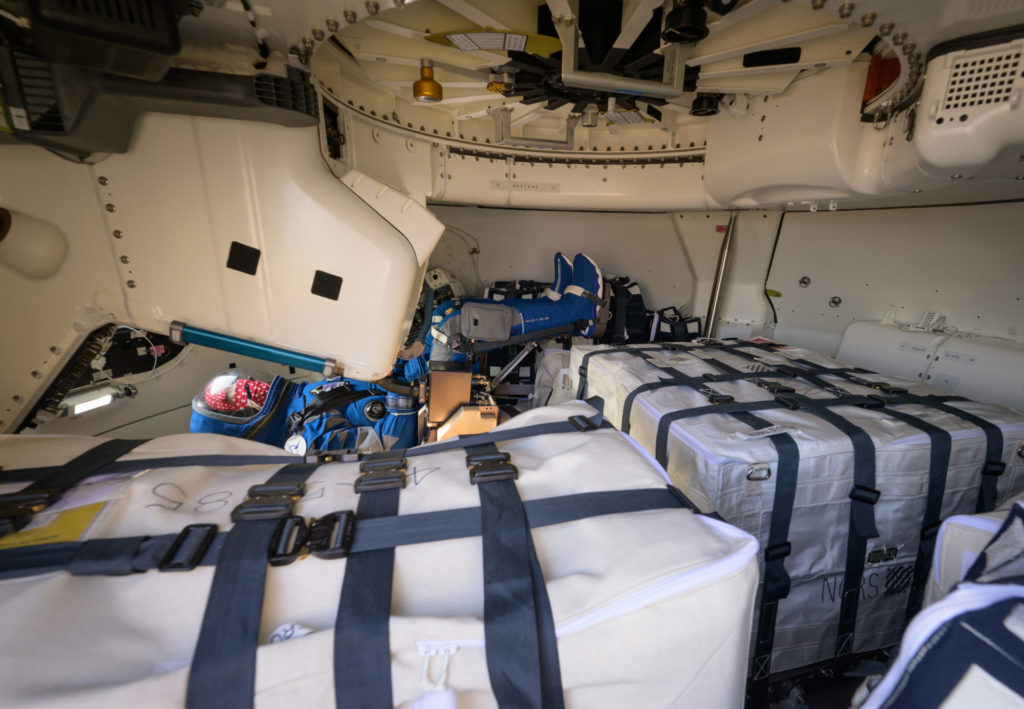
899,38
372,7
349,15
55,350
804,281
111,208
817,4
868,19
118,233
124,259
16,398
333,26
835,301
318,34
103,180
36,374
846,9
131,284
886,29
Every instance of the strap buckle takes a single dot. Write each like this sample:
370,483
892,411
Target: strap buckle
582,423
381,474
490,471
17,508
287,541
188,548
860,493
873,401
778,551
789,402
269,501
330,537
790,371
774,387
993,468
890,388
712,377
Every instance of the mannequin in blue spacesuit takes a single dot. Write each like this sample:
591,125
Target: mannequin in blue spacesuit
574,296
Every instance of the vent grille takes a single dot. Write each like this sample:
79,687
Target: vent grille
979,81
138,13
292,94
38,93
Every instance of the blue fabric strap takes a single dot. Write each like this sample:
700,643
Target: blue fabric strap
518,624
362,646
223,672
17,508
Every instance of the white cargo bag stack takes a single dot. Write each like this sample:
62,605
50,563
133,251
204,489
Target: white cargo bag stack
966,650
444,593
960,540
843,475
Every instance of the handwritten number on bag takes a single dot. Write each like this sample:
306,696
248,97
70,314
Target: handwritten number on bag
213,501
163,491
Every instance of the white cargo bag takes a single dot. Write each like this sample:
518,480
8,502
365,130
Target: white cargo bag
651,607
966,650
845,468
960,540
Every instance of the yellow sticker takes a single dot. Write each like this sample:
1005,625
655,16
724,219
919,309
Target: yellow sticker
67,526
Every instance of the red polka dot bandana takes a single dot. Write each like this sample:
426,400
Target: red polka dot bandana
236,396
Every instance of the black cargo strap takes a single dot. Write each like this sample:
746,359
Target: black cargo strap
128,555
223,671
519,628
472,347
993,466
621,294
776,578
585,362
362,646
218,460
18,508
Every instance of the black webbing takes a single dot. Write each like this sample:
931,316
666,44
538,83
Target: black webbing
621,298
111,557
362,646
776,578
16,508
223,672
993,465
521,647
219,460
585,361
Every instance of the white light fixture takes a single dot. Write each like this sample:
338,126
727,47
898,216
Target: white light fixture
90,404
95,397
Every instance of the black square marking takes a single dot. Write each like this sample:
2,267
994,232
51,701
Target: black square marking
326,285
243,258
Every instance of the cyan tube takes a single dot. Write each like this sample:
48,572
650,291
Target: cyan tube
181,332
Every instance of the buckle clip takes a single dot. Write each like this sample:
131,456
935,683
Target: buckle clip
778,551
490,471
790,371
774,387
993,468
493,457
180,557
381,474
860,493
17,508
789,402
287,541
268,501
330,537
872,401
890,388
582,423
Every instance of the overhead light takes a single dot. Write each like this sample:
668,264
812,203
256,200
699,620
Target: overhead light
425,89
95,397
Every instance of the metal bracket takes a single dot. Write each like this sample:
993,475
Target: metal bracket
503,132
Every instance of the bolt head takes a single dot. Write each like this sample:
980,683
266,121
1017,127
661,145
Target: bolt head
308,43
804,281
318,34
124,259
17,397
131,284
333,26
111,208
817,4
835,301
103,180
899,38
846,9
349,15
909,48
36,374
868,19
55,350
372,7
118,233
